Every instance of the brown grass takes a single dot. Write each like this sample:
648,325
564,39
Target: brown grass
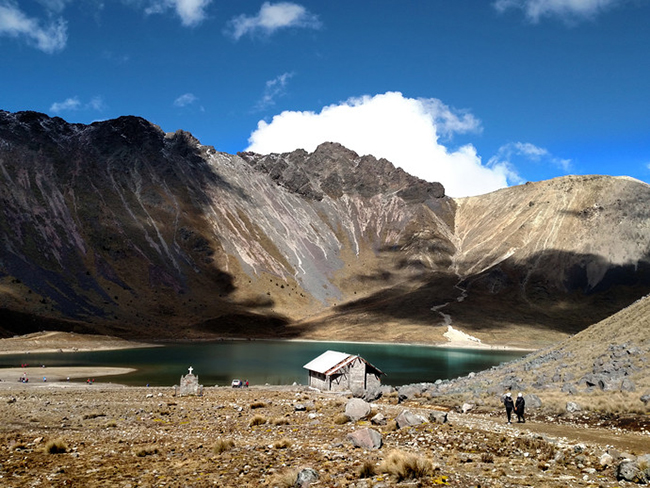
255,405
341,419
404,466
223,445
282,443
257,420
368,470
285,479
56,446
279,421
146,451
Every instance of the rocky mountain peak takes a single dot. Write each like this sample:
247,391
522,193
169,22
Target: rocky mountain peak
334,170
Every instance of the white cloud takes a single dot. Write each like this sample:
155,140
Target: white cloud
273,89
73,104
191,12
185,100
14,23
403,130
271,18
508,153
565,9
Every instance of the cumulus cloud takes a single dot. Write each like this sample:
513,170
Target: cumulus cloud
185,100
191,12
534,10
513,151
271,18
405,131
50,37
273,89
74,104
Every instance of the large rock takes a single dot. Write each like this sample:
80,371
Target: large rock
630,471
366,438
532,401
406,418
306,477
572,407
357,409
437,417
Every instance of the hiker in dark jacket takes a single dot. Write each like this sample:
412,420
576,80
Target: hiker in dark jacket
520,403
507,401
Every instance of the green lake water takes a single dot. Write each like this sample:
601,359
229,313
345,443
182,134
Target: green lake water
272,362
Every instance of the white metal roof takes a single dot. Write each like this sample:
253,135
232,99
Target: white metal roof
326,361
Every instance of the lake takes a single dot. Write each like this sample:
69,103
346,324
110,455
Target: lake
272,362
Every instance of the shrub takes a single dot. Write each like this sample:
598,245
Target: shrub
255,405
223,445
406,466
56,446
280,421
257,420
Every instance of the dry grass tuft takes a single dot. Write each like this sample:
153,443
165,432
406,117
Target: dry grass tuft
279,421
537,446
341,419
404,466
255,405
93,415
146,451
368,470
282,443
222,445
284,479
257,420
487,457
56,446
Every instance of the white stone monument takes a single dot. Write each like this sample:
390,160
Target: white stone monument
189,385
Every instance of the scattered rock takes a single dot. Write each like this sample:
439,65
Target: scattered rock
629,471
467,407
408,419
572,407
379,419
532,401
645,398
437,417
366,438
357,409
306,477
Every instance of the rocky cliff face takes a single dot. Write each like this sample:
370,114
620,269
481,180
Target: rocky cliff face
117,227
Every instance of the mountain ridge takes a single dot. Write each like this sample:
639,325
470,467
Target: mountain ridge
118,227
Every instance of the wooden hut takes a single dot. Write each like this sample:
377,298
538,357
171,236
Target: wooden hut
339,371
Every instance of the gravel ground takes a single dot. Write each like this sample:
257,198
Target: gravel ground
260,436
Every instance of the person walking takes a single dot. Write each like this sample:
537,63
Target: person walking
520,403
507,401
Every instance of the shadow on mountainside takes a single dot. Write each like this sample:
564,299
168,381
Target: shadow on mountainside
551,291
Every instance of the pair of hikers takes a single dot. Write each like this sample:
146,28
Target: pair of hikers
517,406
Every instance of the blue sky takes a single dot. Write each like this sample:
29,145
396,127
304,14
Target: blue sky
477,94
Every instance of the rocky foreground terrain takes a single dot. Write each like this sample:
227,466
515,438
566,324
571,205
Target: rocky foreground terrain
96,435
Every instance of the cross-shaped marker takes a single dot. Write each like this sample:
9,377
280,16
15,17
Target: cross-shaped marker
190,369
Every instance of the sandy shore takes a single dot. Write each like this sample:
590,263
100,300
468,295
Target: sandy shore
55,376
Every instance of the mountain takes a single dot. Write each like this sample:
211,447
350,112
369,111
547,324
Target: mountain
119,228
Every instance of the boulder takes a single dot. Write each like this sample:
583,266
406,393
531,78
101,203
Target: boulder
407,418
357,409
366,439
569,388
467,407
629,471
645,398
378,419
372,393
572,407
437,417
305,477
532,401
627,385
